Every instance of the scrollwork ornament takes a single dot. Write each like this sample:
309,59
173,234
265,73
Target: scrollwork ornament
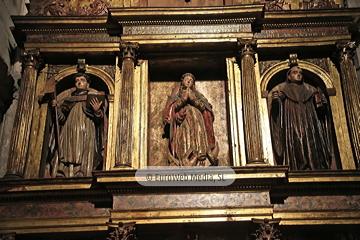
129,51
266,231
275,5
125,231
31,58
247,47
346,50
98,8
318,4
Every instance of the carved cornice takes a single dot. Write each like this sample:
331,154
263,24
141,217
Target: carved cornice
59,196
259,186
211,13
309,15
49,20
63,25
310,18
304,24
187,22
61,30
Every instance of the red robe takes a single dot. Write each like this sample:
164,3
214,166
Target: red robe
190,129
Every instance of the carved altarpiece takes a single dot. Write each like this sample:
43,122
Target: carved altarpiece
139,55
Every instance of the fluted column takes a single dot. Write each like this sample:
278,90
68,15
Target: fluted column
21,130
125,117
251,112
351,88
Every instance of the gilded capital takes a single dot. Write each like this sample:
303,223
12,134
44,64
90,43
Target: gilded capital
123,231
267,229
31,58
346,50
129,50
246,47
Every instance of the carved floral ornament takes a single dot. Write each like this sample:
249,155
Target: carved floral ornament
66,7
275,5
32,58
100,7
247,47
318,4
129,50
124,231
346,50
267,230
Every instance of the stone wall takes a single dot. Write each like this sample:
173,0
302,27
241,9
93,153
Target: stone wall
10,73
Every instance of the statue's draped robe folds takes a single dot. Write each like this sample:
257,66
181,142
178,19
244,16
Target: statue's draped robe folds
300,127
82,135
189,127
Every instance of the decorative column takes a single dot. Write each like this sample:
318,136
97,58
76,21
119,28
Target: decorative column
125,118
251,111
24,113
123,231
267,229
351,88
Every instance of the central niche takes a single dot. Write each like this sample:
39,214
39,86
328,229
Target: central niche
164,77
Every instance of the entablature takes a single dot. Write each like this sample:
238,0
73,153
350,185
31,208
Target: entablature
186,27
281,183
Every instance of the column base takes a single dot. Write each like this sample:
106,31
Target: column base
13,175
258,162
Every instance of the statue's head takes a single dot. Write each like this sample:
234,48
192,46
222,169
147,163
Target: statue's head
82,81
188,80
295,75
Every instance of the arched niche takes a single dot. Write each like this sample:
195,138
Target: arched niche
313,75
100,80
317,77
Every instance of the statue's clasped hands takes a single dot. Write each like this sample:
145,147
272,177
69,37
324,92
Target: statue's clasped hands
188,94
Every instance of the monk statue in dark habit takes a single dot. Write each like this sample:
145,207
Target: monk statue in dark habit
299,126
188,124
81,116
